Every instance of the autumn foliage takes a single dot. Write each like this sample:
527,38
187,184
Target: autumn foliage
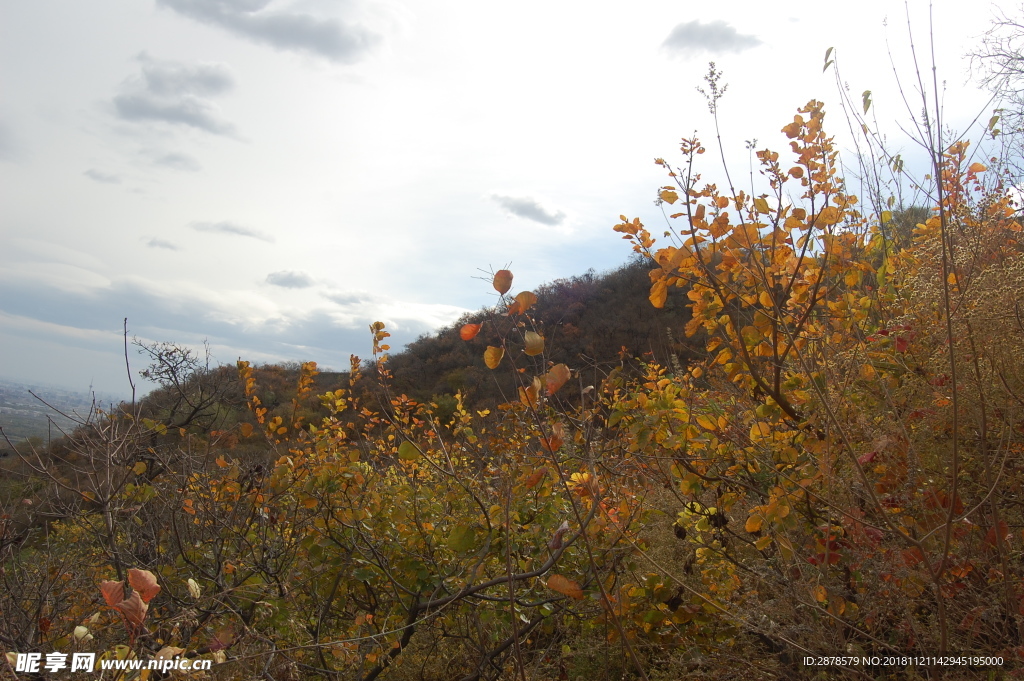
836,474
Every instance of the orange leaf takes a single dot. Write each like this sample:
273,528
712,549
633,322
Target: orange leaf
502,281
977,168
524,301
469,331
552,444
113,592
528,395
534,343
556,378
492,356
536,477
753,523
144,583
565,586
245,429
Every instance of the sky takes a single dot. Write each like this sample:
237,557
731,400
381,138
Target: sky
272,176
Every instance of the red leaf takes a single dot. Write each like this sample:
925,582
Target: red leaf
867,458
222,639
556,540
134,610
144,583
992,540
912,556
113,592
536,477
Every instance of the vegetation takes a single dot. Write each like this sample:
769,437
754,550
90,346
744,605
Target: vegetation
830,467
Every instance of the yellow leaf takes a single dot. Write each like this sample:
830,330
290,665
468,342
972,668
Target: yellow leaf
829,215
245,429
977,168
502,281
760,431
761,206
668,195
753,523
765,299
820,594
706,422
139,468
565,586
492,356
951,279
762,543
534,343
659,293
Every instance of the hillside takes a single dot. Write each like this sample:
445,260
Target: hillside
591,322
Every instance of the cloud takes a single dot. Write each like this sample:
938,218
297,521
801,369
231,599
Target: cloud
176,161
716,37
529,209
288,279
160,243
230,228
349,298
236,323
293,31
99,176
175,93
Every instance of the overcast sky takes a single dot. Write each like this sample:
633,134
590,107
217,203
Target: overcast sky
273,176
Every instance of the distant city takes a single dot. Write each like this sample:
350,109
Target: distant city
51,413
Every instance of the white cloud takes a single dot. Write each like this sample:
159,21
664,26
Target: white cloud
101,177
715,37
175,93
529,209
294,31
230,228
289,279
